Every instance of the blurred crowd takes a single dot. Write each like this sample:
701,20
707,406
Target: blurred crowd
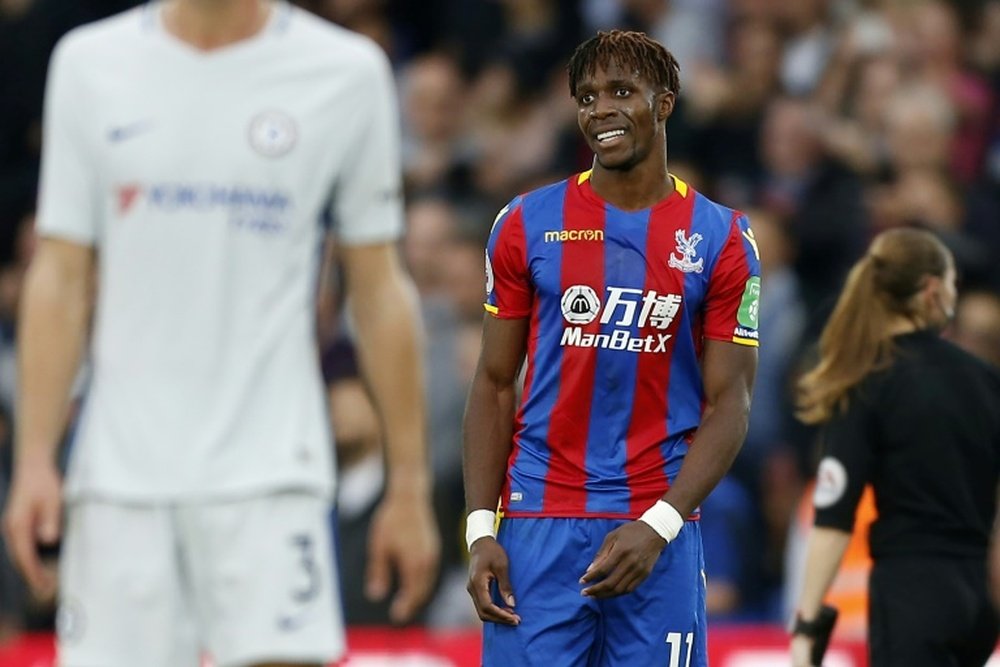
825,120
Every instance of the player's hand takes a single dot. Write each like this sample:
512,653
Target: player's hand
33,518
801,651
488,563
404,536
626,558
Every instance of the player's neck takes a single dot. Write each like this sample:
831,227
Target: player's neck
213,24
634,189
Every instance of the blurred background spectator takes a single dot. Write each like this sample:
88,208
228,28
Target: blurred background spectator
826,120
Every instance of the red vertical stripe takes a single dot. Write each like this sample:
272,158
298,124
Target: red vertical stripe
644,463
569,424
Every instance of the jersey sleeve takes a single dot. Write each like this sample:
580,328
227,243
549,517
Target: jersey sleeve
366,204
845,468
69,196
509,291
733,298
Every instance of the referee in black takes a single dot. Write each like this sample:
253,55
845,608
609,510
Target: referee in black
919,419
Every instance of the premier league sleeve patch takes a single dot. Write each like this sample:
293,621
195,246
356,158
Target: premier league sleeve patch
748,314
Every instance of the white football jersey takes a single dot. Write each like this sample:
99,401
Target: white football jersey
206,182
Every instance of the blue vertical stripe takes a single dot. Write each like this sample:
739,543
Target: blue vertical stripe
542,211
616,373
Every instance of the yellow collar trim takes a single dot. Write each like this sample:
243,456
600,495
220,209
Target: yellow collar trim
679,185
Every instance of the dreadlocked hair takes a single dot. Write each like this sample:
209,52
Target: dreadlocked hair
632,51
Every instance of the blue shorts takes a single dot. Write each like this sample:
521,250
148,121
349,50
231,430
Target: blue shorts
661,623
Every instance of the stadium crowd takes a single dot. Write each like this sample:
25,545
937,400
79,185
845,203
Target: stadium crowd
827,121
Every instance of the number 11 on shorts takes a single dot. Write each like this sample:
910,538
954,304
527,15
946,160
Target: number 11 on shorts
675,639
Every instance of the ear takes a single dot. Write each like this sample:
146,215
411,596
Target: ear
665,105
932,284
932,291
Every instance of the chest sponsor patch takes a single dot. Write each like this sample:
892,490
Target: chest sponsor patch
623,312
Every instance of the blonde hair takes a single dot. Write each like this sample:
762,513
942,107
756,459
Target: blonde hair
857,339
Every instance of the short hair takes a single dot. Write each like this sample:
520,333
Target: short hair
630,50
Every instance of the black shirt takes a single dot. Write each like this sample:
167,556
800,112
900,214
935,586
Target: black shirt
926,434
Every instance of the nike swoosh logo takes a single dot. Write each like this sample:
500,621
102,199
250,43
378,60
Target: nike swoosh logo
126,132
293,623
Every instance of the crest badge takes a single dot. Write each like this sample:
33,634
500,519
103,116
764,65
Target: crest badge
686,259
272,133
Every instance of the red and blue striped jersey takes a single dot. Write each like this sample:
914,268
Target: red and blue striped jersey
619,303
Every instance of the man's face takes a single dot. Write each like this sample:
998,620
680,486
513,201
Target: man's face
621,116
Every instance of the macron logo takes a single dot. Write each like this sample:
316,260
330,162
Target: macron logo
574,235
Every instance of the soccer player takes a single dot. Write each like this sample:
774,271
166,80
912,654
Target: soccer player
635,300
193,149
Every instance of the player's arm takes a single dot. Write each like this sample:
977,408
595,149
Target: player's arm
629,553
55,307
487,437
383,304
728,367
366,212
54,310
728,370
489,415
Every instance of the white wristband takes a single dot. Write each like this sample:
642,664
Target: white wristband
479,523
664,519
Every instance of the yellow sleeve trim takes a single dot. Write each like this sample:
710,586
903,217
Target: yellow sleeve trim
746,341
584,176
492,310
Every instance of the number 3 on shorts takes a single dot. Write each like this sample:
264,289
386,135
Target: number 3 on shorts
674,639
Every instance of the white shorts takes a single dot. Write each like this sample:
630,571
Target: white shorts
245,582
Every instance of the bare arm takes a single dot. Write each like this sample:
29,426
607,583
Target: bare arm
55,309
384,305
629,553
488,429
728,370
489,414
383,302
824,551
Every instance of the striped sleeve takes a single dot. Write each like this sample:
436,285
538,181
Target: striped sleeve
733,301
509,292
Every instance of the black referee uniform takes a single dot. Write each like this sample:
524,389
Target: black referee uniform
926,434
